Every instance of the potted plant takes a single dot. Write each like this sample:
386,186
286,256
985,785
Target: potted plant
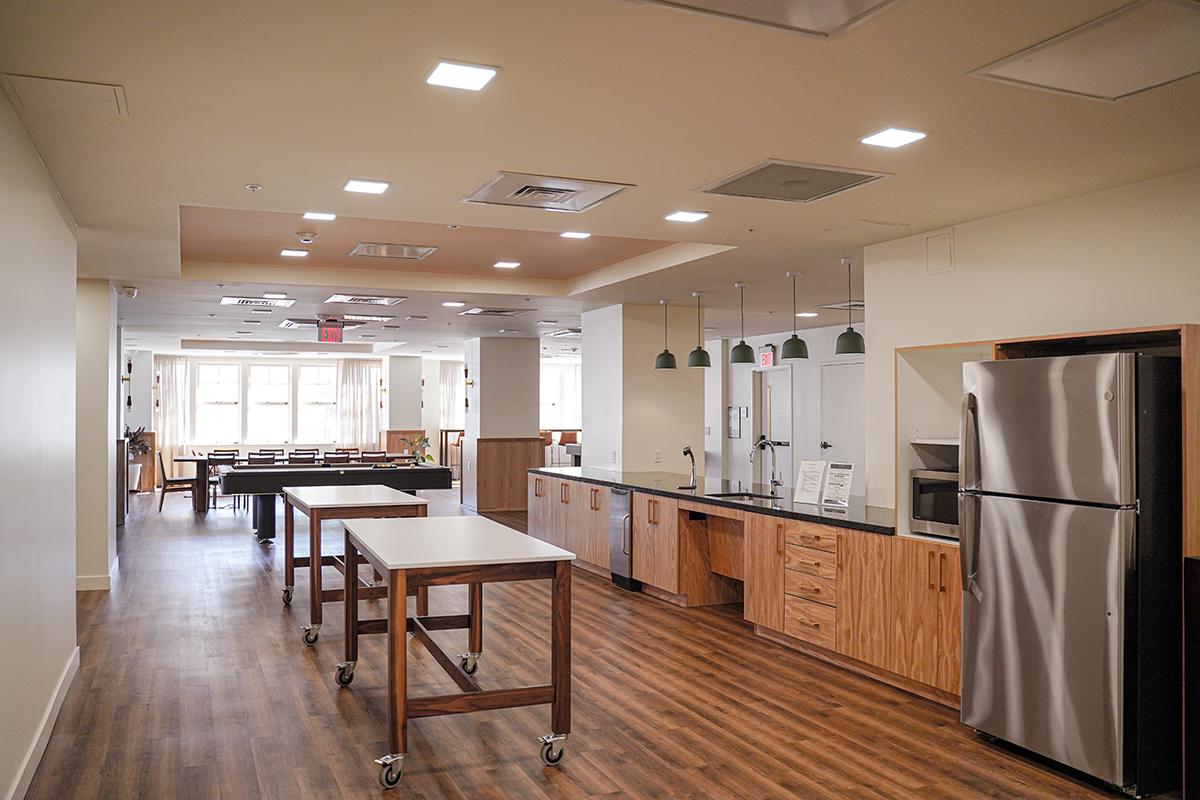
136,445
418,446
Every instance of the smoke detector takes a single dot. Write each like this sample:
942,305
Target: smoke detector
306,237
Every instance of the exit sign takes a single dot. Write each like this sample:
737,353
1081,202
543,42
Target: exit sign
329,331
766,357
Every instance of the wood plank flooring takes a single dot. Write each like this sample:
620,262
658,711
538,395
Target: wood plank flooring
194,684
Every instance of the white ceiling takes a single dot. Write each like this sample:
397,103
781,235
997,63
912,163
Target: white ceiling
298,98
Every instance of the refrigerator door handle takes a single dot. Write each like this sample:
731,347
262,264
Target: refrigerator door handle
968,443
626,535
968,522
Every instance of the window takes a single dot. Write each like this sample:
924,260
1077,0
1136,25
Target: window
561,396
316,404
268,403
218,387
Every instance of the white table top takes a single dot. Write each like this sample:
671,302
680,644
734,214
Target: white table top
347,496
416,542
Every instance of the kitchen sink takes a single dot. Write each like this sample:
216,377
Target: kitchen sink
747,496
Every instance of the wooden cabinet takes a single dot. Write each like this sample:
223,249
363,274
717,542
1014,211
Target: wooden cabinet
928,609
565,497
587,534
764,548
656,541
539,507
864,568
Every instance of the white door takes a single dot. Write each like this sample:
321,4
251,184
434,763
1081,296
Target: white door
844,418
773,411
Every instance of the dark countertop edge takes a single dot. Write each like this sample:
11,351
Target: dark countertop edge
833,522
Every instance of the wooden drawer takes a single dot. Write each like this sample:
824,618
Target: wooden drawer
810,587
811,622
811,562
814,537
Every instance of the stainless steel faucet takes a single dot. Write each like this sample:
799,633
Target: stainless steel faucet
764,442
687,451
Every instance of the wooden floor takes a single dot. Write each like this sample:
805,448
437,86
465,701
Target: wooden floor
194,684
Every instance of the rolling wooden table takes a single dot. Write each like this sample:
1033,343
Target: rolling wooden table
440,551
320,503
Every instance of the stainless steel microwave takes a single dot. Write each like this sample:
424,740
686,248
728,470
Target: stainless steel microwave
934,502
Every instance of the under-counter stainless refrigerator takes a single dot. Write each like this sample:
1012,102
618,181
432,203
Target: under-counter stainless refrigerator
1070,527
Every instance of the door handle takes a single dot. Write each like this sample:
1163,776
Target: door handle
626,535
825,445
779,539
941,572
968,442
968,522
929,569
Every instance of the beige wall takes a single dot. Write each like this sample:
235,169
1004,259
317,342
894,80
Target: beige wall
601,378
37,480
402,376
95,433
1128,256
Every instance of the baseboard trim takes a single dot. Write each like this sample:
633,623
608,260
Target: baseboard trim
97,583
37,748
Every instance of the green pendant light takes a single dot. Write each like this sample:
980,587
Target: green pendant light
699,356
795,347
666,359
851,341
742,353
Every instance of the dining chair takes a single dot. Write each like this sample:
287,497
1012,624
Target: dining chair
351,450
302,457
261,458
171,484
340,457
216,460
373,456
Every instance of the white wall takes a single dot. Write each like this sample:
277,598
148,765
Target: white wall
37,476
602,371
509,380
95,433
1128,256
431,408
806,402
402,376
716,401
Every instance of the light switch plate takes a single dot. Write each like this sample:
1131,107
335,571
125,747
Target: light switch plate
658,456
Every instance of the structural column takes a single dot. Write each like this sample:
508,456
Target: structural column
402,403
501,440
96,415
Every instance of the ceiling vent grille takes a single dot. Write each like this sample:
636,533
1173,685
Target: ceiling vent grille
853,305
364,300
258,302
791,182
302,324
812,17
494,312
410,252
543,191
564,333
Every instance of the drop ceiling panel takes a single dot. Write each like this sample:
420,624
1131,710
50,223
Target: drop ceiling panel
1131,50
94,98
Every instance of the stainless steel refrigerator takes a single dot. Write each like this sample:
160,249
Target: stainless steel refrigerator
1070,526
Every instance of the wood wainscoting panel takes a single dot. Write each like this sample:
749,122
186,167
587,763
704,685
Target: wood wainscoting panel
151,477
391,439
501,471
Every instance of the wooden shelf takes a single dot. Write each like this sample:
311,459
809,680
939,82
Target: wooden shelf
934,440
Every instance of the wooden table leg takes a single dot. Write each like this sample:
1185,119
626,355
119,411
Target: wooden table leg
200,488
475,635
345,670
289,550
313,629
397,662
560,655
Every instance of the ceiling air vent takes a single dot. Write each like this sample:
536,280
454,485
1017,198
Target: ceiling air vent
813,17
258,302
565,333
364,300
411,252
853,305
791,182
301,324
543,191
494,312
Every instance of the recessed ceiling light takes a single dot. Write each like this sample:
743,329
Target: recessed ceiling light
366,336
686,216
455,75
574,235
290,253
252,322
391,327
807,314
257,311
243,333
441,346
365,318
417,317
507,264
454,304
324,216
547,322
893,137
366,187
275,295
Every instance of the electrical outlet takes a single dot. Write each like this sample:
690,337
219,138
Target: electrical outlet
613,458
658,456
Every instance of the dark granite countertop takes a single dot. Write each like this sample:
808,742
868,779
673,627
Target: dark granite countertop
859,516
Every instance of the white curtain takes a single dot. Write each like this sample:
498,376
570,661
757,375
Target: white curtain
358,403
173,411
452,394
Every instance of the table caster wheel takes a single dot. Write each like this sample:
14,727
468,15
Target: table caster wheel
553,749
345,673
391,770
311,634
287,595
469,665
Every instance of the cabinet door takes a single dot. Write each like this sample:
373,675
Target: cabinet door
561,507
864,566
656,541
595,550
949,640
763,549
539,506
915,588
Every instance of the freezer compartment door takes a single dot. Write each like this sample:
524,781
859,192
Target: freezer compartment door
1057,428
1044,629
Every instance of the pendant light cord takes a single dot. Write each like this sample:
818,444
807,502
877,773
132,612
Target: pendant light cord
793,305
664,327
743,312
699,331
849,298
